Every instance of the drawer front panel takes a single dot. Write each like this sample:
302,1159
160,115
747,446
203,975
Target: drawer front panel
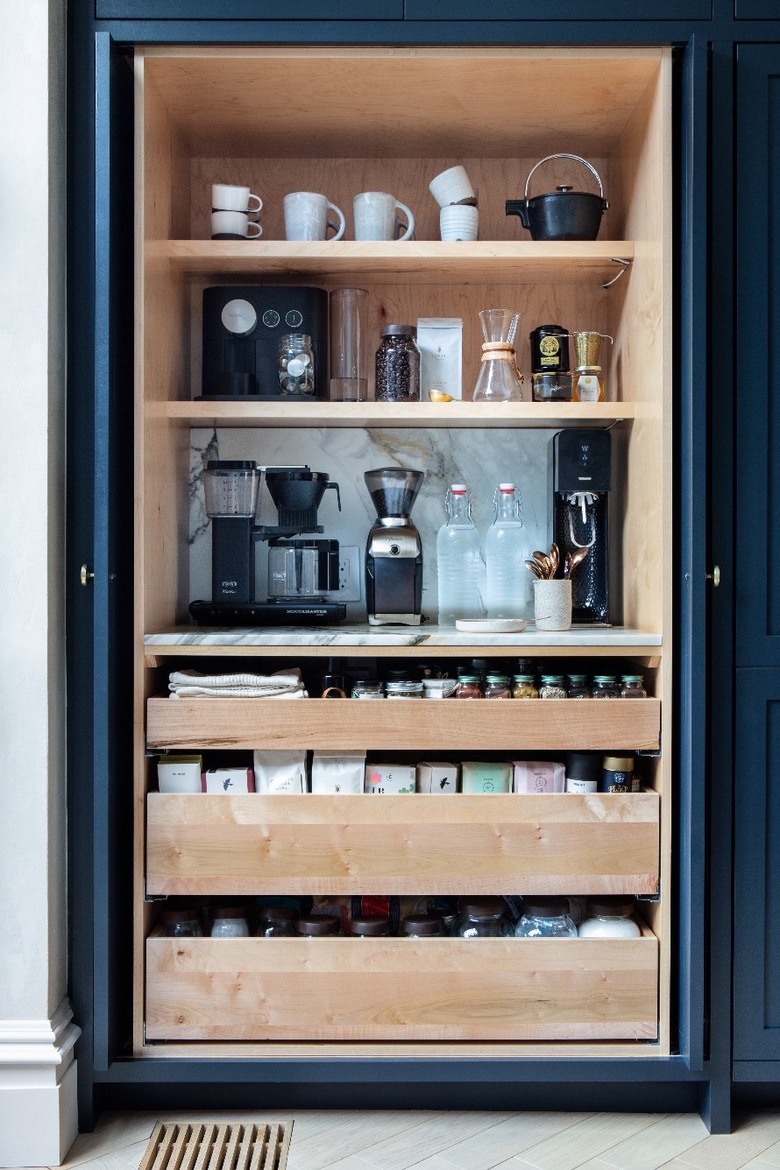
405,725
402,844
393,989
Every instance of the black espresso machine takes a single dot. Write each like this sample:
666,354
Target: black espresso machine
242,328
300,571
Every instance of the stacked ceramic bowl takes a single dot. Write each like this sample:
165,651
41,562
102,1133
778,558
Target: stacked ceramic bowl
459,215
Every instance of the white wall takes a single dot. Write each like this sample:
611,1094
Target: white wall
37,1072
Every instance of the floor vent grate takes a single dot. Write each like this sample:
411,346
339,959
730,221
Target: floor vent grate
209,1146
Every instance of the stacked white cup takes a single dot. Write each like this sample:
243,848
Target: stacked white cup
234,213
459,215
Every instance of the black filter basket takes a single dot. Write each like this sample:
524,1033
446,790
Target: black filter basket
297,494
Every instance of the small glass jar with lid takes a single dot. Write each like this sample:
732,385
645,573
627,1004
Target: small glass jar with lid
276,922
604,687
229,922
469,687
497,687
423,926
295,359
409,688
397,365
317,925
545,918
632,687
609,917
184,923
369,926
552,687
577,687
524,687
368,689
587,385
481,918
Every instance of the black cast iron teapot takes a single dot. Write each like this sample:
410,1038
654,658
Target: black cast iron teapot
562,214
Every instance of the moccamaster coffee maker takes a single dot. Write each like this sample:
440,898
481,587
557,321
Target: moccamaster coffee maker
242,328
581,476
394,549
300,571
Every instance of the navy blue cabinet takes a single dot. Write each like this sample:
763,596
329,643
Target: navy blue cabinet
757,740
249,10
617,10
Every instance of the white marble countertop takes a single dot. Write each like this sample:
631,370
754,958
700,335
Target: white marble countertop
426,636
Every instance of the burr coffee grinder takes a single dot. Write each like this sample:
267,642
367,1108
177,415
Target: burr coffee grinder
394,549
580,468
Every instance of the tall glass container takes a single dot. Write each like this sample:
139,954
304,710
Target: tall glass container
348,331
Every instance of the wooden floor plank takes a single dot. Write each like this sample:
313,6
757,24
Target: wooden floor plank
588,1139
508,1137
355,1135
753,1134
666,1138
432,1137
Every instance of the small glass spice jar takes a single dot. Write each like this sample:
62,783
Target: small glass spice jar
552,687
181,923
368,689
409,688
296,364
497,687
609,918
604,687
632,687
577,687
229,922
545,918
317,925
587,384
369,925
525,687
422,926
397,365
276,922
469,687
481,918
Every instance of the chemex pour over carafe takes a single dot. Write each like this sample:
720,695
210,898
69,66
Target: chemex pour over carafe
499,378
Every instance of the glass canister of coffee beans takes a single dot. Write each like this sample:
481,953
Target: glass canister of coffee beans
397,365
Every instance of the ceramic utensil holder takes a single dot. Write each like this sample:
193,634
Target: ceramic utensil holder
552,604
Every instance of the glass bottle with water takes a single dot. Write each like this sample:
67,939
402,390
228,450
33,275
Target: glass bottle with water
458,560
506,550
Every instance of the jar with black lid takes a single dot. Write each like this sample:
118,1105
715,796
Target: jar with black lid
318,925
369,925
181,923
397,365
481,918
276,922
423,925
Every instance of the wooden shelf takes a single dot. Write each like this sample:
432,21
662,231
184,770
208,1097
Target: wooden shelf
404,724
414,261
426,415
382,989
456,844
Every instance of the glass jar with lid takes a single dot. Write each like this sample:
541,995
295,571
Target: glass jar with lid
423,926
276,922
397,365
295,359
317,925
524,687
469,687
632,687
604,687
481,918
497,687
609,917
368,689
577,687
229,922
545,918
369,925
184,923
409,688
552,687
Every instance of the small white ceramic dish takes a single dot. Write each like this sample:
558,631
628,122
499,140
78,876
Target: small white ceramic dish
491,625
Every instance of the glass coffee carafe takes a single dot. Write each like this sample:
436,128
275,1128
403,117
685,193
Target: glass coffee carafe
499,378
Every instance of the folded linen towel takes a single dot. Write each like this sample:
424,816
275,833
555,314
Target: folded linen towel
284,684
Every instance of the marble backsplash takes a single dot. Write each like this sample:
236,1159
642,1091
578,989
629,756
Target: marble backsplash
480,458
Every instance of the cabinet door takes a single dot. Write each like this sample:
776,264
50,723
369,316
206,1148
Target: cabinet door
100,538
559,10
249,10
757,391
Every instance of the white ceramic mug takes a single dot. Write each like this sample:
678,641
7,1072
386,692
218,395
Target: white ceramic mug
226,197
552,604
376,217
234,225
457,222
307,217
452,186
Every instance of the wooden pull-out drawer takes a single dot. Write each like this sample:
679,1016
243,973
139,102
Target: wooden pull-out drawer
405,724
516,844
401,989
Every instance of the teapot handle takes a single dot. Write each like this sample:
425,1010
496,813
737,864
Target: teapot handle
575,158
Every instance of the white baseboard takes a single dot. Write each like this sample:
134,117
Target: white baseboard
38,1099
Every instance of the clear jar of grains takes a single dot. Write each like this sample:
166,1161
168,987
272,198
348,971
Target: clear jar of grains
552,687
525,687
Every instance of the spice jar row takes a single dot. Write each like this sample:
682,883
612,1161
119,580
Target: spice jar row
531,916
278,771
